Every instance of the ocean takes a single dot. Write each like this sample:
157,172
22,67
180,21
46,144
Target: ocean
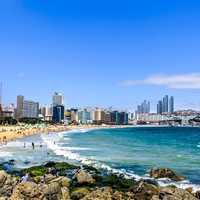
130,151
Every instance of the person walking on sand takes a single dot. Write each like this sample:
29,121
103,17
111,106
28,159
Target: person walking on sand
33,145
24,144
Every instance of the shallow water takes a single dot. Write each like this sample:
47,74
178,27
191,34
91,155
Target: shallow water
133,151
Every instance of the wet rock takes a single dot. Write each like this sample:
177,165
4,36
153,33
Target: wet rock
165,173
197,194
144,191
173,193
84,177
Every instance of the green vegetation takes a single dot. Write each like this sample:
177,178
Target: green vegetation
61,167
8,120
118,183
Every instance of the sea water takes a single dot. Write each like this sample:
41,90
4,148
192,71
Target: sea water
131,151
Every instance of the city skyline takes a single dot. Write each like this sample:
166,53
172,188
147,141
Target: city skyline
101,54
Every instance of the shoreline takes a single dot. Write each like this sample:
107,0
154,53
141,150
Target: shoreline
11,133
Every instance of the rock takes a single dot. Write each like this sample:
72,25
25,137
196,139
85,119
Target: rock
3,177
28,190
84,178
144,190
197,194
173,193
65,182
7,183
190,190
165,173
65,193
79,193
52,188
100,194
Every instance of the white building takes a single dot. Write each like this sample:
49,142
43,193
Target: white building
30,109
58,99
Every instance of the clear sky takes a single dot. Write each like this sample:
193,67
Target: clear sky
101,53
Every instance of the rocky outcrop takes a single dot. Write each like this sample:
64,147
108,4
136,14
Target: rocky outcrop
100,194
28,190
165,173
86,185
84,177
144,190
173,193
6,184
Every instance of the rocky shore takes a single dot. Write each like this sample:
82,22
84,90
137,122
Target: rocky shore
64,181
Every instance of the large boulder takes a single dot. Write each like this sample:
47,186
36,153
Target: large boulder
27,190
84,177
100,194
143,190
79,193
197,194
173,193
165,173
7,183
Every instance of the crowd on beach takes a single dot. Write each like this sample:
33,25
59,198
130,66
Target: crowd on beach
10,133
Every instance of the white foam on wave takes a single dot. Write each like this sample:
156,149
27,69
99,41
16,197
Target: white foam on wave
182,184
5,154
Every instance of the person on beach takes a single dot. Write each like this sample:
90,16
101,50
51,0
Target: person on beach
33,145
24,144
25,178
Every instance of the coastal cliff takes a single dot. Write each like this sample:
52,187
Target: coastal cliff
63,181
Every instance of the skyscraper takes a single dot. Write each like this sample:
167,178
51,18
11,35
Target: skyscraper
30,109
144,107
171,104
20,103
58,114
165,104
58,99
159,107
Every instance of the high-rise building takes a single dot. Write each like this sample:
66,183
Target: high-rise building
123,118
46,112
74,115
26,109
30,109
99,116
115,118
165,104
58,113
58,99
84,116
159,107
20,103
171,104
144,107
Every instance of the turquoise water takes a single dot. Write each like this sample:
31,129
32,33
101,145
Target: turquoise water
133,151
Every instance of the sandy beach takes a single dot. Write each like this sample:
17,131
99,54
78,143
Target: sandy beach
10,133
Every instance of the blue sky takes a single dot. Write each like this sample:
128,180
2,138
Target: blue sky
101,53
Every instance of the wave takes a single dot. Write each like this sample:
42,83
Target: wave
5,154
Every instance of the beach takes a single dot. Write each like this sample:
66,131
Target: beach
10,133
